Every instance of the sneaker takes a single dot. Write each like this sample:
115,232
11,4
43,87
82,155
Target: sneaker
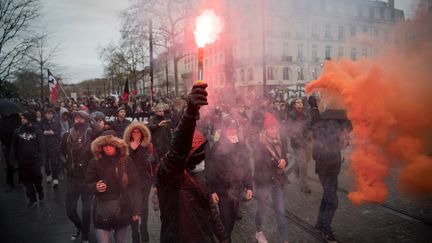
55,183
330,238
261,237
75,234
49,179
61,176
85,241
32,204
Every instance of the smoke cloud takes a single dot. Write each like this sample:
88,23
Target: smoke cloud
388,101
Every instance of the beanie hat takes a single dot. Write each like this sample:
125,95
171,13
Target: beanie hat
30,117
81,113
97,115
269,120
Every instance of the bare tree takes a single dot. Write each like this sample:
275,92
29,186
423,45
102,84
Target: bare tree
15,40
42,57
170,19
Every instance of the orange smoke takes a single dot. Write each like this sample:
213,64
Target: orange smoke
388,101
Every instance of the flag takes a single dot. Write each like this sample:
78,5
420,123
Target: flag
53,87
125,95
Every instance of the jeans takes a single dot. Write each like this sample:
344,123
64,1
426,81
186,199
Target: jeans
146,188
277,194
104,236
74,190
301,166
329,202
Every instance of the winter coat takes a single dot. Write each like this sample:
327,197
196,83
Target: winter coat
120,126
186,214
326,146
114,170
298,129
228,169
75,150
142,156
266,171
51,141
161,135
27,146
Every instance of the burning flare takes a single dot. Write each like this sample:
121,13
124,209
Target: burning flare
208,26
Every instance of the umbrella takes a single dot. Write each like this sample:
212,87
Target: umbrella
8,107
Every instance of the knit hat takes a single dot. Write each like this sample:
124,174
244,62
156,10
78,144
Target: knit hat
269,120
81,113
97,115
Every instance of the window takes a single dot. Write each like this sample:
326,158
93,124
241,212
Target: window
315,73
286,73
354,54
353,31
300,52
285,49
341,33
250,74
300,75
375,33
341,52
242,75
365,30
382,13
270,73
364,52
327,34
360,11
269,49
314,53
314,31
371,12
328,52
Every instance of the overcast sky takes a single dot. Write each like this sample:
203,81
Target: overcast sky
81,26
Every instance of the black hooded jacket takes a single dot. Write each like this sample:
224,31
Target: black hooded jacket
27,146
186,212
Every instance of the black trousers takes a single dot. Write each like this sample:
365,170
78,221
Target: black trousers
329,202
31,177
75,189
141,233
228,209
52,162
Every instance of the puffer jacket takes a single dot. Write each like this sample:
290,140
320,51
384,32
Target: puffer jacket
186,212
119,174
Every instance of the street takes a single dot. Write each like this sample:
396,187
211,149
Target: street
366,223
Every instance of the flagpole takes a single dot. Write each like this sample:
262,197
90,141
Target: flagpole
64,92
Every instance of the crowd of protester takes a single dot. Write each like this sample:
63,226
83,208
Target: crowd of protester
195,163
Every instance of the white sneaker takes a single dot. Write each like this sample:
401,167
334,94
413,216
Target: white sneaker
55,183
261,237
49,179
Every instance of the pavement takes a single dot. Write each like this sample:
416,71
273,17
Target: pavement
367,223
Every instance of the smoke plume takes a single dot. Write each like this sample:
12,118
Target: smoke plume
388,100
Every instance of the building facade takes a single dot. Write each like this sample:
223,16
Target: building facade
283,45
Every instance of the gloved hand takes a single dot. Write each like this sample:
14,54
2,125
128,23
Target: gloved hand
196,98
